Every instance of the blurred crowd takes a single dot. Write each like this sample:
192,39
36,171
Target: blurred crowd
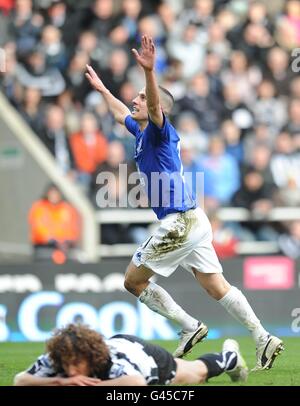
229,65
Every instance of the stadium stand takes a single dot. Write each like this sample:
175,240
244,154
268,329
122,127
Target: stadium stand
230,66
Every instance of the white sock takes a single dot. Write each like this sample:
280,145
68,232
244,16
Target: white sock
237,305
158,300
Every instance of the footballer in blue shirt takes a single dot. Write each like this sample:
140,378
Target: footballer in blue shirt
184,236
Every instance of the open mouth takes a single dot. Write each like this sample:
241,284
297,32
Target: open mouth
135,110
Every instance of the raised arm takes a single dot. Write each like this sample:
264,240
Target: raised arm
117,108
146,58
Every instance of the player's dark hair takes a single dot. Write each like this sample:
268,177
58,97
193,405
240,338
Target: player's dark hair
166,92
167,100
76,343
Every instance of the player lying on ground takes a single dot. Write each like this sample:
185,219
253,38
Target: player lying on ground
184,236
79,356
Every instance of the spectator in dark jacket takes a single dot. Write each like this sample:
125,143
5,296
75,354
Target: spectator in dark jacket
56,139
256,196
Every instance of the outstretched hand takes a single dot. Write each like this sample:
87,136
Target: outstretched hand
94,79
146,57
80,380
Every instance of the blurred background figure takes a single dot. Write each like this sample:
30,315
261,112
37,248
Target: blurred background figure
288,29
89,148
289,242
54,226
255,195
221,173
224,241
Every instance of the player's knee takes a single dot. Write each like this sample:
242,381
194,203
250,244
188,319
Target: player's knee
202,377
211,291
190,372
130,286
217,291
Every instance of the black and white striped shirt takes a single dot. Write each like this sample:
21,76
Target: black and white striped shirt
129,356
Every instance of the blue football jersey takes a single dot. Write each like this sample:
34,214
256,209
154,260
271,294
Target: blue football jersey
157,156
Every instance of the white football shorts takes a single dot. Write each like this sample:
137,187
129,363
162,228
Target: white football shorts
182,239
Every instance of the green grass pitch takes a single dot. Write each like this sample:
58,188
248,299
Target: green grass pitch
15,357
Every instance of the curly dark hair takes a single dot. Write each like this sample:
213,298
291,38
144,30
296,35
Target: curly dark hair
75,343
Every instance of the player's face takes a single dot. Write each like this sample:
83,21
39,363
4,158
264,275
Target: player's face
140,111
80,368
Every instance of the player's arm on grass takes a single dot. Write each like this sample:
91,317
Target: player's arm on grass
119,110
146,58
26,379
126,380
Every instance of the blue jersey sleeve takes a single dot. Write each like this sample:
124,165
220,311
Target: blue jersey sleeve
131,125
165,133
